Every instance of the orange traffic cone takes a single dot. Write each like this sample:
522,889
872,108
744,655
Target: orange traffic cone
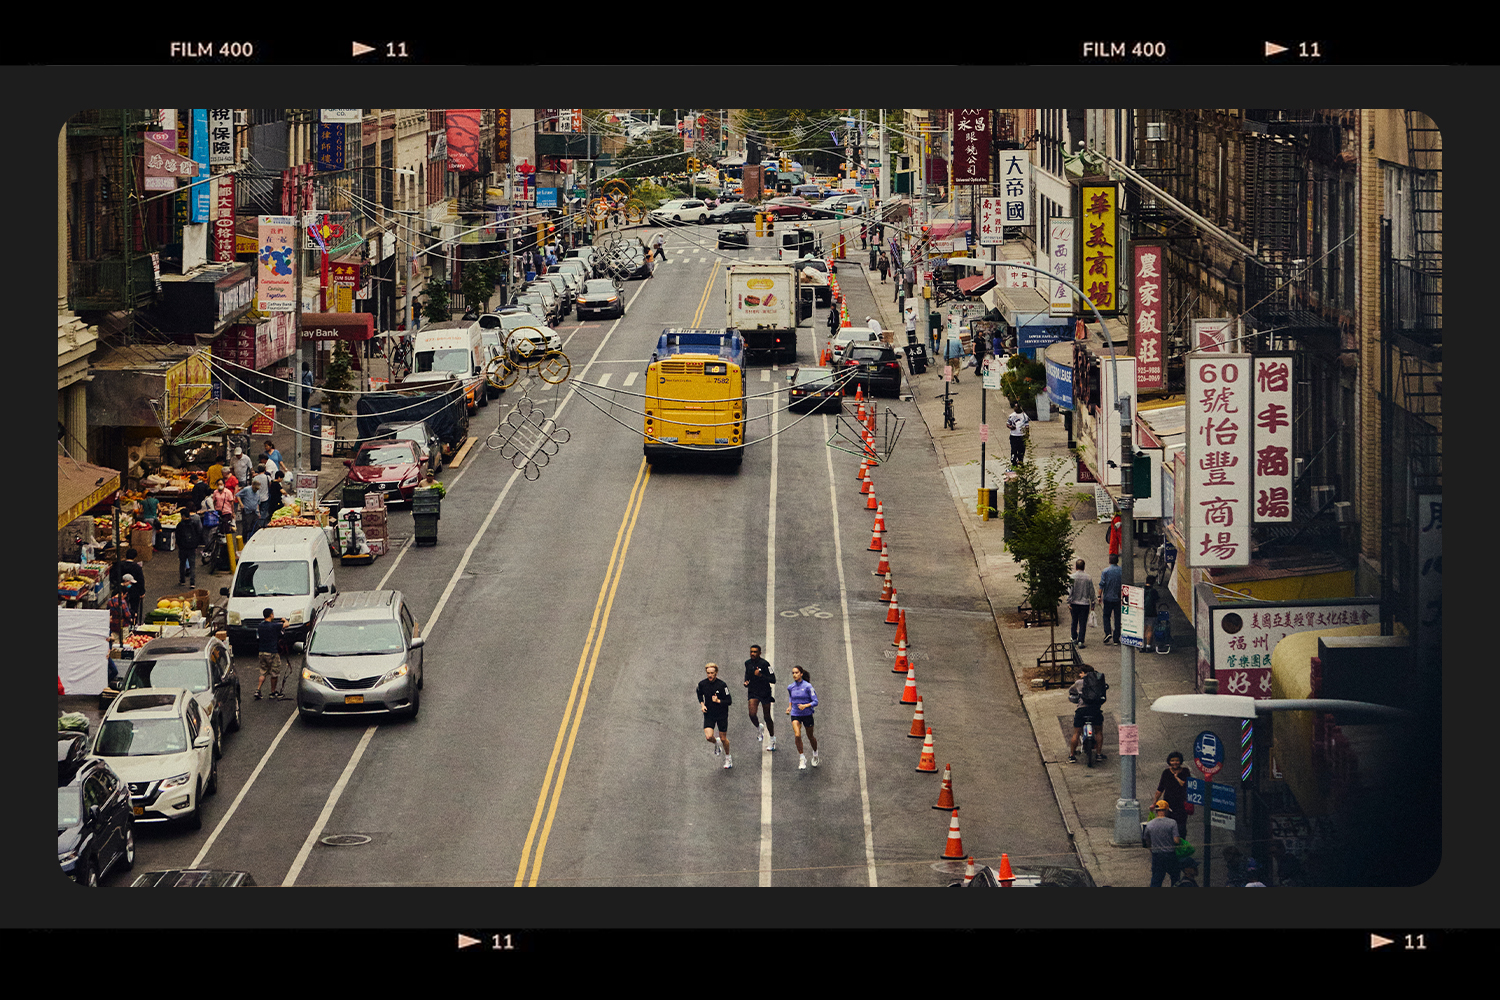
880,518
918,724
945,796
885,559
885,593
875,541
900,629
893,615
864,470
955,850
902,663
909,696
859,395
859,413
826,358
1005,874
867,487
870,418
970,872
928,763
871,503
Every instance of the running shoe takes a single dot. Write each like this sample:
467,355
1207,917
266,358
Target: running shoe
728,762
771,745
802,762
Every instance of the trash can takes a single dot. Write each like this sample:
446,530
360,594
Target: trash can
426,508
354,495
916,358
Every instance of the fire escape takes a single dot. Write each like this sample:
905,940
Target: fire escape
1411,372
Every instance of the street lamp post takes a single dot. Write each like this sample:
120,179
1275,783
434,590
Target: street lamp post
1127,807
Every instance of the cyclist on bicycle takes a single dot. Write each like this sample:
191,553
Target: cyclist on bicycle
1089,709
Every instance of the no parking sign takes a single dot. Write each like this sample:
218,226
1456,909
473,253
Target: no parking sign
1207,754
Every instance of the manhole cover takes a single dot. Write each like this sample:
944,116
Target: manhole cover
344,840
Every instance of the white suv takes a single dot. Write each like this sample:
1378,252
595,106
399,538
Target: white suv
680,210
158,741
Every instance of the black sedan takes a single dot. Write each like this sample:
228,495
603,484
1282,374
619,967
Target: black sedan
95,821
600,297
814,388
734,237
875,366
733,211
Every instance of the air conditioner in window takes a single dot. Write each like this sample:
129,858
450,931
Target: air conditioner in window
1322,496
242,116
1155,131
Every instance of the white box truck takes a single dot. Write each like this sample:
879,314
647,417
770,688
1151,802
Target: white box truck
761,303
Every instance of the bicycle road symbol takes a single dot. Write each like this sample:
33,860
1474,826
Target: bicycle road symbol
811,611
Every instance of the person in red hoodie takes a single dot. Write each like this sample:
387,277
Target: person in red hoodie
1113,533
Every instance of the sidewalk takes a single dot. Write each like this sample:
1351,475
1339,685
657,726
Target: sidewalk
1085,796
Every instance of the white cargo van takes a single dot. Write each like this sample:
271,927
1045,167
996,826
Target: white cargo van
457,348
289,570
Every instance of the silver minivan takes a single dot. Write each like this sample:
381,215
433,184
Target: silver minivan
362,657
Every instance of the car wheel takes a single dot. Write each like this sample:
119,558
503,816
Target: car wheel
234,719
195,821
218,728
88,874
213,778
416,702
127,856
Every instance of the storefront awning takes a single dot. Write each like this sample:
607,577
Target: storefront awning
81,487
977,284
338,326
214,419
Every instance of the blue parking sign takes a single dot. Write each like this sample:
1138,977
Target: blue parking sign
1207,754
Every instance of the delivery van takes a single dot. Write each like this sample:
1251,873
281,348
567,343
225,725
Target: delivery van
457,348
289,570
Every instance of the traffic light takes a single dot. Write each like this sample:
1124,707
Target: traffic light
1140,476
692,163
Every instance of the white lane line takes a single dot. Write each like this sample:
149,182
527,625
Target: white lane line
630,379
859,733
323,817
768,652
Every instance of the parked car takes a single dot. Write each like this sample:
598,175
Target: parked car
846,336
536,305
363,656
95,820
580,271
876,367
526,343
202,664
157,740
194,878
812,192
788,207
565,285
584,255
733,211
544,288
389,467
813,388
600,298
419,433
839,205
679,210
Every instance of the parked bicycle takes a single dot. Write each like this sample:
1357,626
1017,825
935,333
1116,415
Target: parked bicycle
949,423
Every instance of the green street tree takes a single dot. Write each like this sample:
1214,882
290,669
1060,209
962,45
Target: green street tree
1039,512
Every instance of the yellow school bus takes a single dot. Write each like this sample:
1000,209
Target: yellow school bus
695,405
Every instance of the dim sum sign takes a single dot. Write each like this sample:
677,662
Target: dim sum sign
1219,410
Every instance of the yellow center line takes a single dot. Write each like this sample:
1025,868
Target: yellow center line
581,679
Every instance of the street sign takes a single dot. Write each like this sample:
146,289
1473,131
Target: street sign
1223,797
1207,755
1195,788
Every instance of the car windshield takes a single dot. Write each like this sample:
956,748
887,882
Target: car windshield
453,359
69,807
180,672
599,288
813,377
271,579
348,638
863,353
141,737
386,454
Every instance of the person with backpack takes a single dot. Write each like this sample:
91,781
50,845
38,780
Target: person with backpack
1089,693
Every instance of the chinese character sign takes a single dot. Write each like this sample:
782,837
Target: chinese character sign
1148,314
220,137
502,135
1060,264
223,227
330,152
1219,417
1242,637
1097,238
1273,438
1015,187
971,146
991,223
276,278
1211,335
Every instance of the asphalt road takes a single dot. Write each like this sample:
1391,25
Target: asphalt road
569,618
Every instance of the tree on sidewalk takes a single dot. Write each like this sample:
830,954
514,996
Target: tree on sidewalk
1039,513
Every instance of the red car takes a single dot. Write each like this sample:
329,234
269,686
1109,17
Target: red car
788,207
389,467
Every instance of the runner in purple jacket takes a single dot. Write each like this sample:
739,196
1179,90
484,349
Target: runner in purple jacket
801,700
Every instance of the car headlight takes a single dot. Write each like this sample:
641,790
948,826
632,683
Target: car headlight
175,781
234,617
67,857
295,618
313,677
391,675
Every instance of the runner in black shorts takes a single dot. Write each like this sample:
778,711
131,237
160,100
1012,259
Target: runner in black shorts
714,701
758,680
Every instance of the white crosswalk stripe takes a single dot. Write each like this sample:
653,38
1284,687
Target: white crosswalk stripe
604,379
630,379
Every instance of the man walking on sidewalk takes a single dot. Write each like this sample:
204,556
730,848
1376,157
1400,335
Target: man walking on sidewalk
1161,837
1017,422
1109,596
1080,600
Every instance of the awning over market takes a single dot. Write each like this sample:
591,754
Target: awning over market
215,418
338,326
81,487
977,284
